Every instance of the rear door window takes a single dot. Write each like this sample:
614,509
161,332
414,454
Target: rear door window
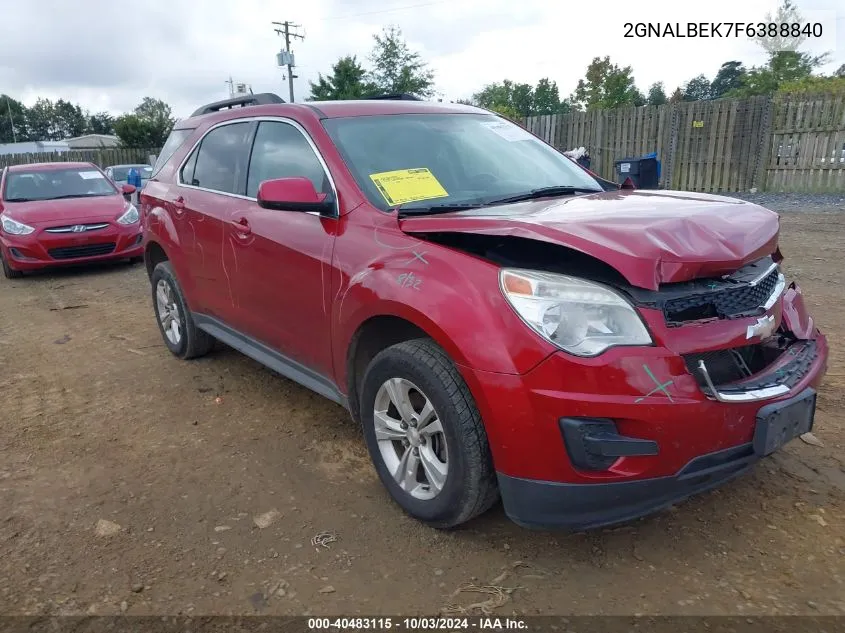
221,159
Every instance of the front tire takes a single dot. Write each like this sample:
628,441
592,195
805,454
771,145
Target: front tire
175,322
425,435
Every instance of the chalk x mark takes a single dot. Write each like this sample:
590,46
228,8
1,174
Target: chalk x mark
659,387
417,256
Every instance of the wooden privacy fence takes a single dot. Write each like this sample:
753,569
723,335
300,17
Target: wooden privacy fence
773,144
101,157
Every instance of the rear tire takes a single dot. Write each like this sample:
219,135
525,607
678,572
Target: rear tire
8,271
433,458
175,322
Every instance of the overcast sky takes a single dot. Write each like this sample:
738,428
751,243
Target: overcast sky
107,55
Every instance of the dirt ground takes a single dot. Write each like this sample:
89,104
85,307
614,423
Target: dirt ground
100,425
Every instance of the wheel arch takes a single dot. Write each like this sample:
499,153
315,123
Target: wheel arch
377,333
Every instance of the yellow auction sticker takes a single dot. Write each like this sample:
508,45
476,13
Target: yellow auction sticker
408,185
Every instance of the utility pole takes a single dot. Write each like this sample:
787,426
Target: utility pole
286,28
11,120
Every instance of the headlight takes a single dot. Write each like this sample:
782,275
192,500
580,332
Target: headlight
13,227
130,216
581,317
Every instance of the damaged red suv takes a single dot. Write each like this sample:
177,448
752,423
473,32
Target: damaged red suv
499,323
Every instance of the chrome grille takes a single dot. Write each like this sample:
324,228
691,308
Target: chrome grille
77,228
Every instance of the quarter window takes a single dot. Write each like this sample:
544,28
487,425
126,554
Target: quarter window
281,151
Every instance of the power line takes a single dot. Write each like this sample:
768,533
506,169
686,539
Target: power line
288,30
410,6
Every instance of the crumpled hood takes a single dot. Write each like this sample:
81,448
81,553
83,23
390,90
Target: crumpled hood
103,208
650,237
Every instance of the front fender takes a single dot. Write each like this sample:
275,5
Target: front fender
453,297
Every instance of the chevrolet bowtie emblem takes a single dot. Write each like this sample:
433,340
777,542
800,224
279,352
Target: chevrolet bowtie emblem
763,328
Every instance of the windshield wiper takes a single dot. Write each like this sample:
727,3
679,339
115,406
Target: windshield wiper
20,199
441,208
77,195
544,192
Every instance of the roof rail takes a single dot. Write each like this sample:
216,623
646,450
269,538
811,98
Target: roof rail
396,96
264,98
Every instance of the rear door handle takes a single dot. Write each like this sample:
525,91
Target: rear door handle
241,227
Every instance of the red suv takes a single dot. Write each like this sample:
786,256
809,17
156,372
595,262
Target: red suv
53,214
498,323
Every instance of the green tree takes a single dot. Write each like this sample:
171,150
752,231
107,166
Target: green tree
606,86
697,89
656,94
783,67
729,78
840,72
508,112
346,81
68,119
13,123
147,127
398,69
41,121
814,85
522,99
546,97
677,96
786,63
100,123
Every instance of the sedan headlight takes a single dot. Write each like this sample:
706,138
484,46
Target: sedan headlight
13,227
580,317
130,216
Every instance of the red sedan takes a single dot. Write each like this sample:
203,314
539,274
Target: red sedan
53,214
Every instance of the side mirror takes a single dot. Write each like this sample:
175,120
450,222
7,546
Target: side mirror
128,189
293,194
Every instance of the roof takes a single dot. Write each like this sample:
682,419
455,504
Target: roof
49,166
335,109
33,147
110,137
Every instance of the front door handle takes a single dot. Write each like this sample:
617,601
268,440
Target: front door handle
242,227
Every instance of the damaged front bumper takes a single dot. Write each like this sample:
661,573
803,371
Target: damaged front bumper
585,443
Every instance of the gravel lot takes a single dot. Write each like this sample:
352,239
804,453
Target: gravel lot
133,482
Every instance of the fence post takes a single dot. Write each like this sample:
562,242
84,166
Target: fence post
764,146
667,167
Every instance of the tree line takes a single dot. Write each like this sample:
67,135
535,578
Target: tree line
394,68
146,127
605,85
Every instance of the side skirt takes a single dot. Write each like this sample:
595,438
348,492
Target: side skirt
272,359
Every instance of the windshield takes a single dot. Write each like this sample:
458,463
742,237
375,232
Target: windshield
425,160
122,173
51,184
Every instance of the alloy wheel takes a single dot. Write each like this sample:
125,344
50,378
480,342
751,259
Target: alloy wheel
410,438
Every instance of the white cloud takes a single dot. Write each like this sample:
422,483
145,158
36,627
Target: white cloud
98,53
